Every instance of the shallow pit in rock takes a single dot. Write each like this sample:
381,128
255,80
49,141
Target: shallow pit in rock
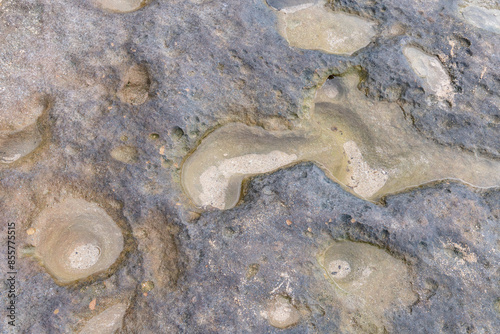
15,145
135,86
121,6
316,27
281,313
367,280
75,239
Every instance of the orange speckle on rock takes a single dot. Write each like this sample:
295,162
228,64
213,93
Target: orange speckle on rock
56,311
30,231
93,304
288,222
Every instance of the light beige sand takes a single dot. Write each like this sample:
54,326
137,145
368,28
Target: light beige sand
121,6
75,239
215,179
282,314
339,269
84,256
364,180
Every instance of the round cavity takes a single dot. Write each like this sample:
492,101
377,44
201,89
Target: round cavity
121,6
75,239
339,268
331,89
282,314
16,145
84,256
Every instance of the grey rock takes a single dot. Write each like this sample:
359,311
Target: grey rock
214,62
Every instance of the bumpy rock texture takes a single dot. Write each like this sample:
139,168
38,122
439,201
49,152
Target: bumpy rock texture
117,101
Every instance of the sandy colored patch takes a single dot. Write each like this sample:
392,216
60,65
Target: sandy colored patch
135,86
15,145
125,154
121,6
282,314
75,239
429,68
84,256
215,179
367,281
319,28
363,179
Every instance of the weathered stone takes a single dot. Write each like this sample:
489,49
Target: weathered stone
212,63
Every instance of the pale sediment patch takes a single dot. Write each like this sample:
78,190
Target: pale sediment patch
367,146
19,130
318,28
281,313
106,322
429,68
121,6
215,180
84,256
364,180
483,18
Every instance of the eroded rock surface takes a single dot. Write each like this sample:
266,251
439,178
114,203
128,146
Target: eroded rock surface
216,64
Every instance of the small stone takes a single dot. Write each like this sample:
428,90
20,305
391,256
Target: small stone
147,286
288,222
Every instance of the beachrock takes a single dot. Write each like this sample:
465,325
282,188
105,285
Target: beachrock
118,100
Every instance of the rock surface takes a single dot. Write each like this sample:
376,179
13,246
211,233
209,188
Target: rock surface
150,82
